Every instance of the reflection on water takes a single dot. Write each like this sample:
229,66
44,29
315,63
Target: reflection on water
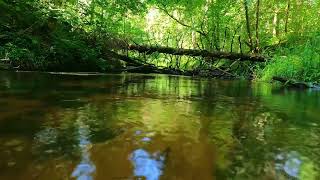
291,163
147,165
295,166
154,127
85,168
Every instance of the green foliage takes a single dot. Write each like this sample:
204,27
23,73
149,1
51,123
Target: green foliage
299,59
50,38
73,35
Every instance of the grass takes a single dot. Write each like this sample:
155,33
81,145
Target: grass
298,59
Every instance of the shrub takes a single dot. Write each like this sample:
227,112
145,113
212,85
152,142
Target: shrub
298,59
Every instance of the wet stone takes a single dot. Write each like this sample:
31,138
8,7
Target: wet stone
50,151
39,167
11,163
18,148
14,142
146,139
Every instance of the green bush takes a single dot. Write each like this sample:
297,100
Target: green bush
46,38
298,59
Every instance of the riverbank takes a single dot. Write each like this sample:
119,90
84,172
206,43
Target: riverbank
288,83
48,40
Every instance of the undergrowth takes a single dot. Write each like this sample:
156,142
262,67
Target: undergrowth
298,59
37,37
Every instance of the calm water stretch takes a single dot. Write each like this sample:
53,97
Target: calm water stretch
131,126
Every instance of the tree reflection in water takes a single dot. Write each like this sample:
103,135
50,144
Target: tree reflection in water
225,129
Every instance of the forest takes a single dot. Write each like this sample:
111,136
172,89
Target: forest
160,89
250,39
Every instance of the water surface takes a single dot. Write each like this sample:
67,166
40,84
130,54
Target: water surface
133,126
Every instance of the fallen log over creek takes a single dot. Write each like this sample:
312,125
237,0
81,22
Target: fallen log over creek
196,52
135,65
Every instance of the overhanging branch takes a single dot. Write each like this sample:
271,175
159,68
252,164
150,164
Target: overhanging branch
180,22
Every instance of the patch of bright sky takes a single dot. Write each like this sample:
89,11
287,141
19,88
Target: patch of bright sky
153,17
85,2
152,14
157,23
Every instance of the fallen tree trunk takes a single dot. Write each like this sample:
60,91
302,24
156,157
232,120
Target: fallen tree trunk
133,64
195,52
137,66
129,60
294,84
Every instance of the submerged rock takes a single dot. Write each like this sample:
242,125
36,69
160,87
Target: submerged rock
18,148
11,163
14,142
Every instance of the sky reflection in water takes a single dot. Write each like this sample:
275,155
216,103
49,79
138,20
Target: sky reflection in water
146,164
85,168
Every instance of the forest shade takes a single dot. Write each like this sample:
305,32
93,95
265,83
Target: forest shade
72,35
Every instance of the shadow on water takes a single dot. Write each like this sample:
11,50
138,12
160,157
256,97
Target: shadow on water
127,126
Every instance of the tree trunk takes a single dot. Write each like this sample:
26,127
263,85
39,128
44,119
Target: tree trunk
196,52
275,23
245,2
218,34
193,35
287,17
92,9
257,26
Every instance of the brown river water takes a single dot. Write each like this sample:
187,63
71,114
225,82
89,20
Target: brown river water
135,126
